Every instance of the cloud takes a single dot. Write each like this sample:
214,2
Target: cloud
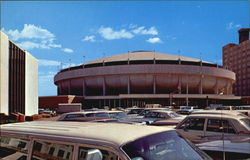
132,26
30,31
143,31
32,36
89,38
109,34
28,45
67,50
231,25
46,62
154,40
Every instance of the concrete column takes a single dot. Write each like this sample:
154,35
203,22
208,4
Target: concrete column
227,88
154,85
231,88
103,87
69,83
179,85
83,88
216,90
200,85
128,85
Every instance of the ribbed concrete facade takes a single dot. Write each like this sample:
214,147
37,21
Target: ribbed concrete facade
143,75
19,79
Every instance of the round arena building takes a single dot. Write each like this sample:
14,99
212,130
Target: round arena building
145,77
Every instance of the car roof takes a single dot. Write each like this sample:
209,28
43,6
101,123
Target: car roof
162,111
85,112
233,112
114,111
114,133
228,116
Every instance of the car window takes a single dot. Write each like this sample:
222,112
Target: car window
13,148
246,122
86,153
74,116
151,115
194,124
218,125
102,115
51,151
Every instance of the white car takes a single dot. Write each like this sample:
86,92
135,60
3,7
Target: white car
94,141
206,127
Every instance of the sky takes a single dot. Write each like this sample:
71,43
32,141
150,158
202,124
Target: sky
68,33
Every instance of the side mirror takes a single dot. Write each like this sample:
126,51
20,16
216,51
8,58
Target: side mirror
94,154
137,158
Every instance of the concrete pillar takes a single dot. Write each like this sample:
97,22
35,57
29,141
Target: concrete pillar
216,89
154,85
227,88
200,85
103,87
83,88
69,83
231,88
128,85
179,85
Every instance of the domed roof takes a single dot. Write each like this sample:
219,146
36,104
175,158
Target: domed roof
142,55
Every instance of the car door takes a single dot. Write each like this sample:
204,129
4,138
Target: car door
219,128
192,128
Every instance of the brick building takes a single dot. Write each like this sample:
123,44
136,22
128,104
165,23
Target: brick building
236,57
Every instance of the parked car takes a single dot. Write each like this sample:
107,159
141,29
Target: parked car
186,110
220,112
84,116
173,120
243,109
134,111
94,141
206,127
226,149
47,111
157,115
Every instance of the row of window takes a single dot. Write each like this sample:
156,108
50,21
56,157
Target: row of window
17,149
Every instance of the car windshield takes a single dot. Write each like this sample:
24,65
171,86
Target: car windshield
101,114
246,122
174,115
135,111
164,145
242,108
186,108
118,115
